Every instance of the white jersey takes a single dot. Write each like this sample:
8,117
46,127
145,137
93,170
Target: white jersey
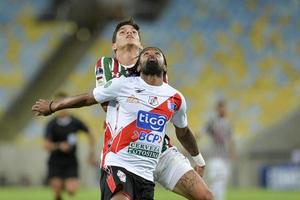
138,127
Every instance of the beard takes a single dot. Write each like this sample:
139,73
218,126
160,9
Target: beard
152,68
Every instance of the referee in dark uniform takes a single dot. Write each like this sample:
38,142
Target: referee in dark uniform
60,140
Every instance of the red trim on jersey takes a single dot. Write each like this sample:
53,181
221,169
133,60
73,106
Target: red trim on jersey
116,68
107,138
111,182
99,63
177,100
127,133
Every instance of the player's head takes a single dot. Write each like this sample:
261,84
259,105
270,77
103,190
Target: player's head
125,34
152,61
221,108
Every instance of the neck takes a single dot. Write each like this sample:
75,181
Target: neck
152,79
128,54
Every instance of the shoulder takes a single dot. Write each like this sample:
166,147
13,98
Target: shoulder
176,92
177,96
104,61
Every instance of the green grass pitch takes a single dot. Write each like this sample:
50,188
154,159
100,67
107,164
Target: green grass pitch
13,193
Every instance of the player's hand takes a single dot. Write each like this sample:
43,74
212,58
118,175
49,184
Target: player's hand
199,170
41,107
64,146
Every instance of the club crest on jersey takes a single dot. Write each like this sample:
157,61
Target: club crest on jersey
121,175
151,121
172,106
153,100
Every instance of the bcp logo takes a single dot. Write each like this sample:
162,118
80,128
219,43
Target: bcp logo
151,121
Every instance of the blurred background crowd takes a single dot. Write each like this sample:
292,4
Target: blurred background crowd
244,51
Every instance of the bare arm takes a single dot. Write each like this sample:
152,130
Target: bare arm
187,139
46,107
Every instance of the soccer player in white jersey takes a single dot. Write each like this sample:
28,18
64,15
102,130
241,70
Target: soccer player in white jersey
174,171
145,104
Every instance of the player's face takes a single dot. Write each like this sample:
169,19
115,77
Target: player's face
221,110
127,35
152,62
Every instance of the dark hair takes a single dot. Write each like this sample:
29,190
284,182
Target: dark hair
133,70
130,22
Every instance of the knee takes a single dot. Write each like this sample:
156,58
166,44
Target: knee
71,191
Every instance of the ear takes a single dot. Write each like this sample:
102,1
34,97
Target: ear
138,68
114,46
165,68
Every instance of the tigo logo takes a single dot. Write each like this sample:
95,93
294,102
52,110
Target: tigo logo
151,121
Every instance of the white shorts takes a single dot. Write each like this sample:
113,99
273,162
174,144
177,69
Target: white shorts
172,165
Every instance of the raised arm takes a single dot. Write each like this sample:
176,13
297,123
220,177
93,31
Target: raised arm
47,107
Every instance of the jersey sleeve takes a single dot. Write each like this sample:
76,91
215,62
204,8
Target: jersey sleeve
103,71
110,91
179,118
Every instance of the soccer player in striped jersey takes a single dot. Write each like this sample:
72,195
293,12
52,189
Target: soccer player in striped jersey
174,172
136,140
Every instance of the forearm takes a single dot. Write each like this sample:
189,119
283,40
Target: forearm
188,141
78,101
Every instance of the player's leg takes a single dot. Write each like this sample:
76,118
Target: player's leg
174,172
192,186
116,184
218,173
120,196
71,185
70,174
55,179
56,184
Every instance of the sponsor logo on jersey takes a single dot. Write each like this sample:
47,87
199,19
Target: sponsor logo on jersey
132,99
139,90
99,71
153,100
149,137
142,149
121,175
151,121
171,106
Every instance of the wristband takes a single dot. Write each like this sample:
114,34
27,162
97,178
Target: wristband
51,111
199,160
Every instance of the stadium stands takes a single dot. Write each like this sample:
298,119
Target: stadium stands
244,51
